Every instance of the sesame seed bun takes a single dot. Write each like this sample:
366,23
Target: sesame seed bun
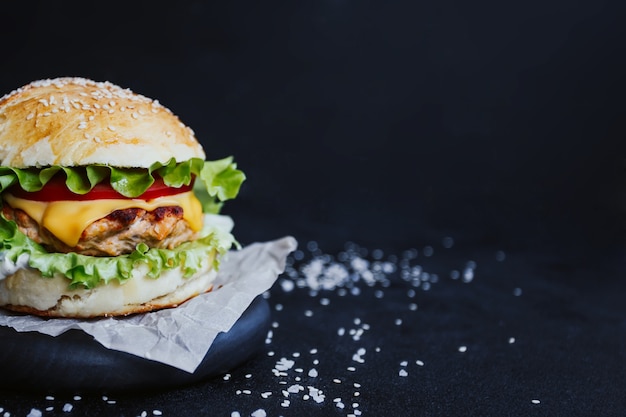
78,122
26,291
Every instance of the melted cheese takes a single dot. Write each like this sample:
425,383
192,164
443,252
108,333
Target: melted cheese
67,219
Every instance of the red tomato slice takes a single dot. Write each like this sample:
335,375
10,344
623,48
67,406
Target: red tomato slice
56,190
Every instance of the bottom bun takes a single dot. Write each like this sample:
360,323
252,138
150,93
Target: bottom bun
27,291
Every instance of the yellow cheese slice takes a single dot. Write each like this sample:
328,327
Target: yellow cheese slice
67,219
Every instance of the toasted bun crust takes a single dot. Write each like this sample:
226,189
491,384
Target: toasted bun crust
75,121
27,291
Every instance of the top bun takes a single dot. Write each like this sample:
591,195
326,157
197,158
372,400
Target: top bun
75,121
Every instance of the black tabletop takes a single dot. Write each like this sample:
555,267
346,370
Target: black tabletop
453,172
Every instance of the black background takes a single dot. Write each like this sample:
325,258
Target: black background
388,124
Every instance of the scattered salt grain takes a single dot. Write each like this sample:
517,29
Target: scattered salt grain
419,363
462,349
536,401
403,373
259,413
284,364
517,292
287,285
511,340
34,413
67,407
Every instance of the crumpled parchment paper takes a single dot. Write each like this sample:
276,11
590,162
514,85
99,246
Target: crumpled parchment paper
180,337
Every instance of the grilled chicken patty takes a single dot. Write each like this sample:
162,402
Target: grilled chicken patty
116,234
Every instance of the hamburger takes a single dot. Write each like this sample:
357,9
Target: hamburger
108,206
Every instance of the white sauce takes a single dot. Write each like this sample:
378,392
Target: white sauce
8,267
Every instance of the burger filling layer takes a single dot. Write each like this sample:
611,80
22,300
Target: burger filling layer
107,227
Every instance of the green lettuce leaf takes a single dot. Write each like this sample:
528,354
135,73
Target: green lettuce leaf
89,271
216,182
